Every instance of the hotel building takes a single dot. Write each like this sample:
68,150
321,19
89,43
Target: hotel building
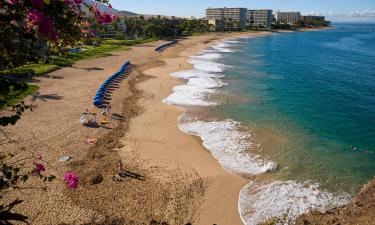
288,17
309,19
109,30
237,16
261,18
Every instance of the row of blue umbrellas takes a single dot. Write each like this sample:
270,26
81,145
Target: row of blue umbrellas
161,47
98,99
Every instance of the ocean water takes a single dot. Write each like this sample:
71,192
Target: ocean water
293,112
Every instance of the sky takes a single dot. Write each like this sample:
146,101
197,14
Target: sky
336,10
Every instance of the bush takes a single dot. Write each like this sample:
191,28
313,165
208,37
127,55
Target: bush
120,36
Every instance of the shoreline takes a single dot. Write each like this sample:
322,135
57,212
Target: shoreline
149,141
158,125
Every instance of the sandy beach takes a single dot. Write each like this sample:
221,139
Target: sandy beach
163,144
146,139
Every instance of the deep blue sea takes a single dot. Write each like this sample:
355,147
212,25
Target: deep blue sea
317,90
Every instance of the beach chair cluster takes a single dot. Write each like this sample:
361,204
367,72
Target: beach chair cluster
162,47
103,90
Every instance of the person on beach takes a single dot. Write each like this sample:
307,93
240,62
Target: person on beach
86,110
106,111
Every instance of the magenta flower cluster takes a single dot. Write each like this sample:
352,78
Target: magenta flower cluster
71,180
43,24
45,27
103,18
39,168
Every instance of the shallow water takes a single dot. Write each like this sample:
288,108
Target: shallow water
318,90
303,101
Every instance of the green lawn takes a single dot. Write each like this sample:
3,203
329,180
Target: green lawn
15,96
56,62
127,42
18,91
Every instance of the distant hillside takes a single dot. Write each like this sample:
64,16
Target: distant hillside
122,13
104,8
127,13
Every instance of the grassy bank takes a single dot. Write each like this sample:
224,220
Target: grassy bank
57,62
127,42
11,92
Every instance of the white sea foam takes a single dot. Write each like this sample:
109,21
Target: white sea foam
199,84
186,95
194,91
222,47
228,145
187,74
208,56
288,200
233,42
206,65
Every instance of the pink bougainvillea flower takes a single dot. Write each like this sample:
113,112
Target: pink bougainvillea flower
43,24
71,180
110,6
96,9
87,24
113,17
39,168
78,2
107,18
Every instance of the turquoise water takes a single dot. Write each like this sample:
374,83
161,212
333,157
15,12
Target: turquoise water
317,91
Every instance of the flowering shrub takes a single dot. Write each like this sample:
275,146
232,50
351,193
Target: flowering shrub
26,25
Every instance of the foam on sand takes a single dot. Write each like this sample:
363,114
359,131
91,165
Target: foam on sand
287,200
228,145
222,47
194,91
206,65
204,79
208,56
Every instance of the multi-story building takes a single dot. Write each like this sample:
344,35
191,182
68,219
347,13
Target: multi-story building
260,18
309,19
113,29
233,18
218,25
288,17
